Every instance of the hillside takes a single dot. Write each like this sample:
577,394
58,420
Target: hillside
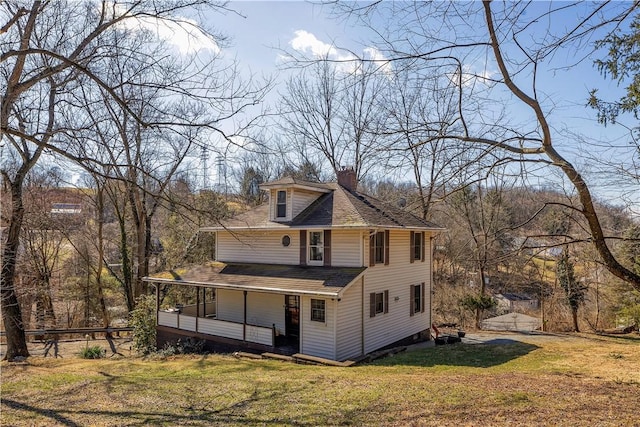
540,380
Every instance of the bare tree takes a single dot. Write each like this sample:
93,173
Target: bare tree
511,38
335,113
45,79
419,109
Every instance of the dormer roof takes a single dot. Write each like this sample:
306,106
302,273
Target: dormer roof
290,182
335,207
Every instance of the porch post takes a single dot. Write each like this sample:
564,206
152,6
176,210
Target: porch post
157,303
197,305
244,318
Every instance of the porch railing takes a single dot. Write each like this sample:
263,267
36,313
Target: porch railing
221,328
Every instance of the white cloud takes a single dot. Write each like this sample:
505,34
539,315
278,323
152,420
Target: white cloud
379,59
308,44
183,33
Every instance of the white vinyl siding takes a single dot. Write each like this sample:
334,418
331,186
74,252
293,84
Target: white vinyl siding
265,310
230,305
265,247
349,328
397,278
168,319
301,199
262,247
260,335
188,323
316,338
220,328
346,248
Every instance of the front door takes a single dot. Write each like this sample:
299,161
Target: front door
292,316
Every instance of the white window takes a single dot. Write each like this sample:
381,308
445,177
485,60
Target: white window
378,303
281,204
316,247
318,310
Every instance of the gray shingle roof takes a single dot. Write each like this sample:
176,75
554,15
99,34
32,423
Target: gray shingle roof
340,208
344,208
284,279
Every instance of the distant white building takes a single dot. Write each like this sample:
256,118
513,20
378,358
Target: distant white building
509,303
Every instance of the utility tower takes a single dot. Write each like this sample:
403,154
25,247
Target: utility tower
204,162
222,175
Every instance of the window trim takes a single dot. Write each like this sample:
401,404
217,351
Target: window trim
373,303
320,246
281,204
417,301
318,314
375,249
417,246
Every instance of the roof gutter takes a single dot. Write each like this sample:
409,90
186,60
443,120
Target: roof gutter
230,286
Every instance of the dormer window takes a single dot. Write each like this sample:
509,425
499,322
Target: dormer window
281,204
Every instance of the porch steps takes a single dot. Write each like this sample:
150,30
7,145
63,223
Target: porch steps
304,358
380,354
247,355
276,356
296,358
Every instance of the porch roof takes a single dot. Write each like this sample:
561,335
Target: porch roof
280,279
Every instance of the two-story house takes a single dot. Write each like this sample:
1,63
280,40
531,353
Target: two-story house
319,269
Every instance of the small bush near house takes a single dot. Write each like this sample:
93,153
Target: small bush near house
143,321
93,352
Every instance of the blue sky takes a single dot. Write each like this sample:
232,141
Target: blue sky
260,30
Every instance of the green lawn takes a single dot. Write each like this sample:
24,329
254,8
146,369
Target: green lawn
578,380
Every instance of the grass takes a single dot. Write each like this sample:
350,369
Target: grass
541,382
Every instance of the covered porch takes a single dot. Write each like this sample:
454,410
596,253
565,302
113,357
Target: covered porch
242,306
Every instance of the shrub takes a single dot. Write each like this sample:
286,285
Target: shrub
143,321
183,346
93,352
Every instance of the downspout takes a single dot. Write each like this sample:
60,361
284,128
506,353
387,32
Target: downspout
335,327
362,318
301,323
365,237
431,248
244,317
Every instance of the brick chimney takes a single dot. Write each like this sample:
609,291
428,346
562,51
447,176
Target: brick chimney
347,178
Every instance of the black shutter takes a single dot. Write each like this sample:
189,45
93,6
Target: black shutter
411,297
423,297
412,242
386,301
386,247
303,247
327,248
372,243
372,304
424,247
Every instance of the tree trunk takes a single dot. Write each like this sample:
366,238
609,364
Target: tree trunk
479,309
574,315
11,313
127,276
100,261
588,210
